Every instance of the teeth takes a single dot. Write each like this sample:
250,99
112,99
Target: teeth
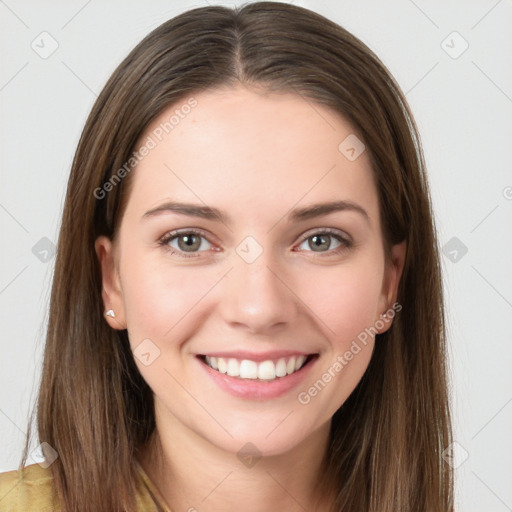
248,369
266,370
281,367
233,368
212,361
223,365
299,362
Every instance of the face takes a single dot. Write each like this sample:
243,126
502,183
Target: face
271,299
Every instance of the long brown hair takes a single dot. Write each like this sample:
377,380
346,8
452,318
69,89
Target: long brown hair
95,409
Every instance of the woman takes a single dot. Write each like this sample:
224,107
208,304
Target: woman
199,355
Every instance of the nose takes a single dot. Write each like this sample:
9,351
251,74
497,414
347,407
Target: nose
258,298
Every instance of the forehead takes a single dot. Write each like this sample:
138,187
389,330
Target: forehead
250,152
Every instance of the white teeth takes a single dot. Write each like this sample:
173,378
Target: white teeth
290,367
212,361
299,362
267,370
247,369
223,365
233,368
281,367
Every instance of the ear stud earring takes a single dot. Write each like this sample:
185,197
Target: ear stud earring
110,313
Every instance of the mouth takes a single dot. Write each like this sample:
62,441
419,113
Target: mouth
269,370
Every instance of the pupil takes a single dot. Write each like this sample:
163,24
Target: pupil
188,241
318,238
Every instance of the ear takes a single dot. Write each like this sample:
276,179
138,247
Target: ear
111,291
393,273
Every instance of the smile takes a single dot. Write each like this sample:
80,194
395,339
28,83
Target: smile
263,370
257,376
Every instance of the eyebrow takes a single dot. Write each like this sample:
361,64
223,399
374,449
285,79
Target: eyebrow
214,214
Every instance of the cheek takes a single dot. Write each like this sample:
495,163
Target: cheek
160,301
148,303
346,304
345,300
159,297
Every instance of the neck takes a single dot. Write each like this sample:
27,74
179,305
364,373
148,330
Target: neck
191,473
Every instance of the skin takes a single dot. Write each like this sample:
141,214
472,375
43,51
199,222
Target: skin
255,155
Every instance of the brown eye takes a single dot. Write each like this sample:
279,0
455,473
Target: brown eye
188,242
323,241
185,242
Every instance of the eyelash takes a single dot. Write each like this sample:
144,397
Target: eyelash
345,243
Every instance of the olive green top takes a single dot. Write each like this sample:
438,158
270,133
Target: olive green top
35,492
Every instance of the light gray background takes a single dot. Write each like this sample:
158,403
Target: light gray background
463,106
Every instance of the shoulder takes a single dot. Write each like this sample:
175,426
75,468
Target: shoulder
28,490
33,491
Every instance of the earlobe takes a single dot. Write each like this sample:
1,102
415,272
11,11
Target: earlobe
111,292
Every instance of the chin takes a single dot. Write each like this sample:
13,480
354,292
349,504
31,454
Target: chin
264,438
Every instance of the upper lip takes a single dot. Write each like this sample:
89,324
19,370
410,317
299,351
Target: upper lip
257,356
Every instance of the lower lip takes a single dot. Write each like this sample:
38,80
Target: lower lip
258,389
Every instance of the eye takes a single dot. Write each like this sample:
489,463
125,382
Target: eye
323,239
189,241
